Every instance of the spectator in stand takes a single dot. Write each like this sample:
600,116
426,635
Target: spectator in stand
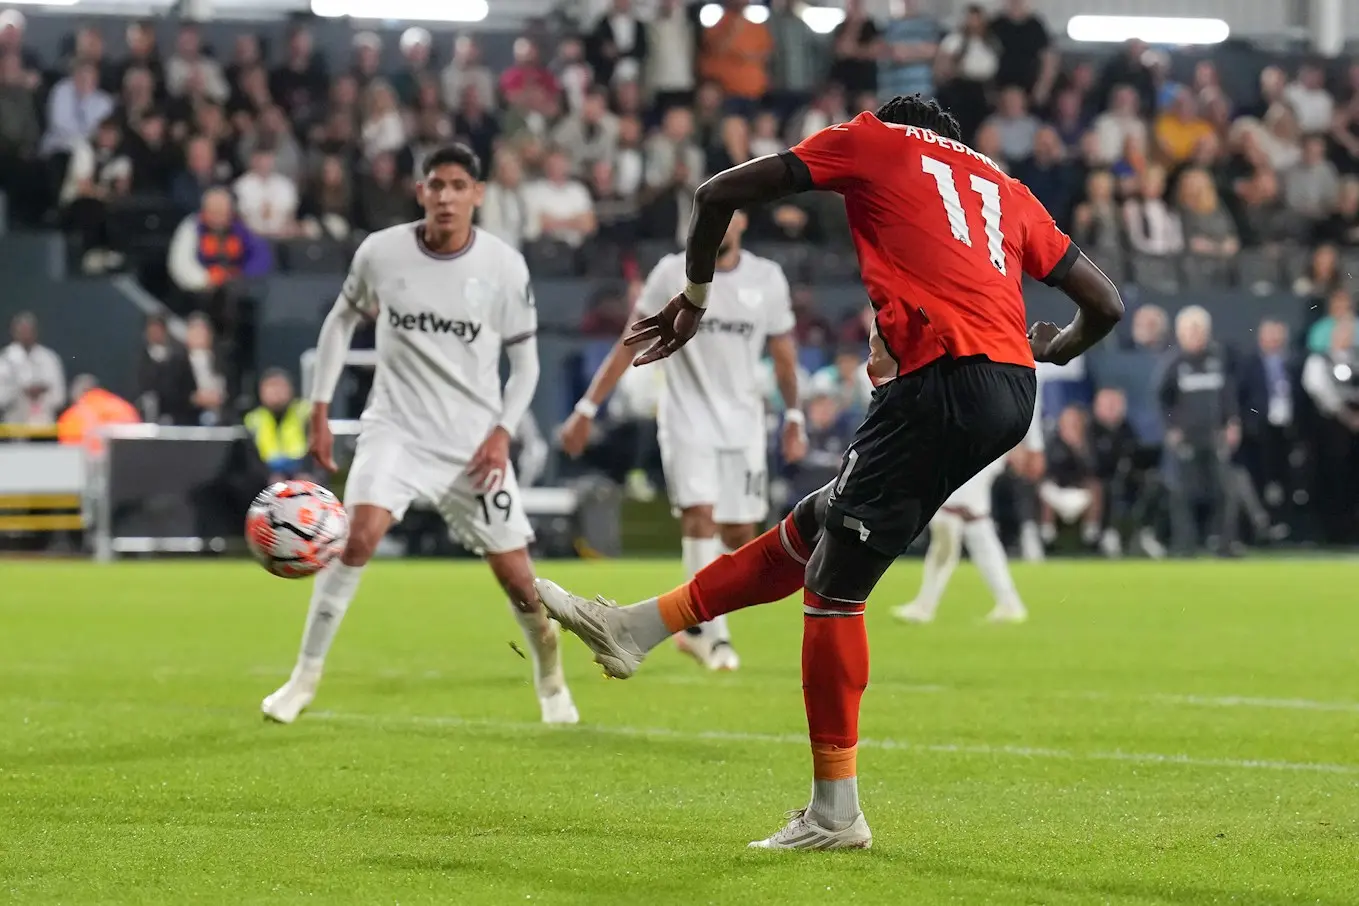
1312,188
164,379
910,44
1150,336
526,74
618,48
1342,226
1256,188
1071,491
89,48
20,132
201,172
1209,230
1118,126
1096,224
590,134
245,56
856,48
571,71
846,380
629,163
212,384
735,54
827,108
75,108
797,66
1016,128
137,98
210,256
415,46
709,105
1280,138
278,426
366,65
327,206
300,85
988,142
273,133
1328,378
474,125
1344,137
1270,389
266,199
249,96
383,198
1323,276
153,158
670,56
1115,450
467,72
1180,129
92,409
210,122
1311,103
1153,228
764,135
504,207
615,213
1049,176
383,130
829,432
32,380
1027,58
98,173
559,207
1131,67
674,169
189,62
142,53
1339,310
968,60
12,27
735,145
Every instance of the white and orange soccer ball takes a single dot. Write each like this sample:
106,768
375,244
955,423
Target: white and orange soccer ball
294,528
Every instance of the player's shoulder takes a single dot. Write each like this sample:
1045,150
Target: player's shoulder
488,247
669,264
762,269
386,243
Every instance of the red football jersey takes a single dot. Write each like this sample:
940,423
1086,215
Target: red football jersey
944,239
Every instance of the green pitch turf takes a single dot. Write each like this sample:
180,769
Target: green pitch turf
1158,733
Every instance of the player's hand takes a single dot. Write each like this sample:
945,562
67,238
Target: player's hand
794,442
670,328
1041,337
575,434
488,465
322,443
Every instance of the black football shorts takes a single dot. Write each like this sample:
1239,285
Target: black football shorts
926,433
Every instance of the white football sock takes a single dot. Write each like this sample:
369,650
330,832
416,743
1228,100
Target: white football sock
717,626
946,547
542,642
331,593
643,622
697,553
983,545
835,803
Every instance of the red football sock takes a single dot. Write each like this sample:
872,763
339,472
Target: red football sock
834,676
770,568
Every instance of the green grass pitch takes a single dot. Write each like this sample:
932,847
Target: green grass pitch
1158,733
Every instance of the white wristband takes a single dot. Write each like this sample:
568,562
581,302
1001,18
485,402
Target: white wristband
794,416
586,408
697,293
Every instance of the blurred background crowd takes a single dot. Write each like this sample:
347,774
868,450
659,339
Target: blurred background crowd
202,168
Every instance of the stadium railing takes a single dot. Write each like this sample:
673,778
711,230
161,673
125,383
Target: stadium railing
42,483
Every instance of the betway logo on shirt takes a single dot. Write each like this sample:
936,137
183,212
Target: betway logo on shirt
426,322
718,325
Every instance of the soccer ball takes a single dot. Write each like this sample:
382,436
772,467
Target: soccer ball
294,528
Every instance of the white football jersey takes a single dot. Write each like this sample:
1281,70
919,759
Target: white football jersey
442,321
712,385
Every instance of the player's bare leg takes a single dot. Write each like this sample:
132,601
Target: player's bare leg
332,591
514,571
945,550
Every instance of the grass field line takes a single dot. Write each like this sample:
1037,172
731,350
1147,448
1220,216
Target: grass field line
983,749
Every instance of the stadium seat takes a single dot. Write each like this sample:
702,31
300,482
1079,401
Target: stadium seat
1203,272
792,257
312,256
550,258
829,265
1113,262
1259,270
1297,262
651,251
603,259
1158,273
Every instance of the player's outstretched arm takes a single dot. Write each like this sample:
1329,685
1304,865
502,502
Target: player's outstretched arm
783,352
1099,308
575,434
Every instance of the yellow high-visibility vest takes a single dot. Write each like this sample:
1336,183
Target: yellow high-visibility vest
279,438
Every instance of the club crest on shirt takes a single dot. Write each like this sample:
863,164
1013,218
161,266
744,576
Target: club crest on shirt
477,294
750,298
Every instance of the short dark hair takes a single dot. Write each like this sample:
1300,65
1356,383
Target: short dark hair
924,113
457,154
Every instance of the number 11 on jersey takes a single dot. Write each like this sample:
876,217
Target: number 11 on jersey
957,218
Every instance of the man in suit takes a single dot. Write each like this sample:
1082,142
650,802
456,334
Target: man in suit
1270,391
164,379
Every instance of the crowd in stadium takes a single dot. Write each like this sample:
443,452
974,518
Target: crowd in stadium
594,140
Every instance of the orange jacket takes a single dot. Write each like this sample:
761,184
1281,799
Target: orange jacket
98,407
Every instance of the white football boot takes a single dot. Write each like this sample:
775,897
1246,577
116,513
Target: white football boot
723,657
596,623
558,708
293,697
1008,612
710,652
915,612
803,832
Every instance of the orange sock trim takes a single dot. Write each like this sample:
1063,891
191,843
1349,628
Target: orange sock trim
677,609
834,763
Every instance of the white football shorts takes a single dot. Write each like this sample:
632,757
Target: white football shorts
733,481
390,471
975,493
